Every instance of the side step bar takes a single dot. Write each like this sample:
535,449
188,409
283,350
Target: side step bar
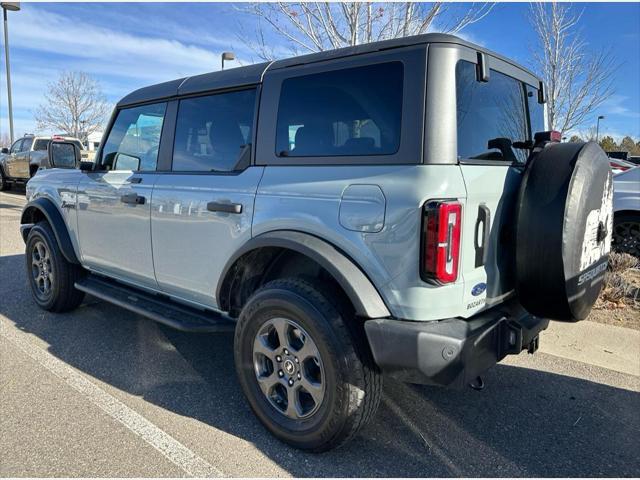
156,308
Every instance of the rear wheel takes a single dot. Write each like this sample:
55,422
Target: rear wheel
304,367
51,277
626,234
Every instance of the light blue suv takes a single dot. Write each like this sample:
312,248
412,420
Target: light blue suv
382,209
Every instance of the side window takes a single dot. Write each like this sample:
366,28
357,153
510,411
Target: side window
26,144
17,145
536,111
491,116
349,112
211,131
134,139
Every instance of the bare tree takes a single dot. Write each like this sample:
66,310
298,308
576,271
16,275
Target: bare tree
5,140
75,105
316,26
577,80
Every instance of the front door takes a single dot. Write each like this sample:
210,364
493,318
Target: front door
114,201
11,166
202,210
20,165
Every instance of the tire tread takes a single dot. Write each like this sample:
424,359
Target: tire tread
358,358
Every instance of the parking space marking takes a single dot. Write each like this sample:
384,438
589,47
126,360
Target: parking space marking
171,448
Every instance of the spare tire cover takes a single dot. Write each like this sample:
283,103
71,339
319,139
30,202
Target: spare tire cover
563,230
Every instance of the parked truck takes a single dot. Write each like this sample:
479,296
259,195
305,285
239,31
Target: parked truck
26,156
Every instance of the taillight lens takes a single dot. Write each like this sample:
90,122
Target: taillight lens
441,228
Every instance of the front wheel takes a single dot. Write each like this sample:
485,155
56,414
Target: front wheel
51,277
307,374
4,185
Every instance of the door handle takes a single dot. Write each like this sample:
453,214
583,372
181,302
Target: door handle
484,218
133,198
224,207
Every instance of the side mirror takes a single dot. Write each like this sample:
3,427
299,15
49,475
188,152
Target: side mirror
63,155
126,162
4,150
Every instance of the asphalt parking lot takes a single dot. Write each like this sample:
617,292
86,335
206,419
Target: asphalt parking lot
102,392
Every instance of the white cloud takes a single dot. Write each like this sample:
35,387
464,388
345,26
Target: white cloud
117,52
619,105
44,43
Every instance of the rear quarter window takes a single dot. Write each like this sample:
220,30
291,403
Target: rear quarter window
348,112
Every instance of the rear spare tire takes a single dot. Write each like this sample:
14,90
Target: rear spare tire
563,230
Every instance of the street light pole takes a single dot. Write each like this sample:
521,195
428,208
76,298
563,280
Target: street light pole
600,117
227,56
14,7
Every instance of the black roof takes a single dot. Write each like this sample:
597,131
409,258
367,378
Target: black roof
252,74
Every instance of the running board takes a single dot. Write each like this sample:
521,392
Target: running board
156,308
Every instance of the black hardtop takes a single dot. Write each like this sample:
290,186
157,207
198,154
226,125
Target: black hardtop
252,74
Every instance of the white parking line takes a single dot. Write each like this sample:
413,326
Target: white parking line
171,448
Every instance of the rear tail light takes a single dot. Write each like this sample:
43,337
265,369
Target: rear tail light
618,166
441,228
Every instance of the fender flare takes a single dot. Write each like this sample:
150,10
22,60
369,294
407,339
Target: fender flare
58,225
360,290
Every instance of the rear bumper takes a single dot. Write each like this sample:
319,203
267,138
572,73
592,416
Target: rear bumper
452,352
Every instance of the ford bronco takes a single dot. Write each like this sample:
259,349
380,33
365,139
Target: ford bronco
395,208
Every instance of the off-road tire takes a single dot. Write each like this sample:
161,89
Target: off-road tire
626,234
564,223
353,382
63,296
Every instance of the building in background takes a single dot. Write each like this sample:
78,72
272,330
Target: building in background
93,141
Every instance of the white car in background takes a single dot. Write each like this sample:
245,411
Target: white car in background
626,208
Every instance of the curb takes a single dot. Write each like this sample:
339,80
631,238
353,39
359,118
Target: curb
607,346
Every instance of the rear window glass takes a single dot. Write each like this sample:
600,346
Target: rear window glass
41,144
536,111
350,112
491,116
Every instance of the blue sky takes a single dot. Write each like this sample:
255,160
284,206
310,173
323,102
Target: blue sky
126,46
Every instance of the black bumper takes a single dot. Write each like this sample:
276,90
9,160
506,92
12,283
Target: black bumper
452,352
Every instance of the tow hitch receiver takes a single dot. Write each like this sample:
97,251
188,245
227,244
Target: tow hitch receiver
513,341
511,336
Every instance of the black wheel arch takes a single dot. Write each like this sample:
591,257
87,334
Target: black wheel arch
44,209
260,253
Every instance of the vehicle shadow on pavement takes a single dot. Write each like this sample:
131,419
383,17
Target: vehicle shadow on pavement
526,422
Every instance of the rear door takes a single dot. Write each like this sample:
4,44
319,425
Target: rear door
492,117
203,207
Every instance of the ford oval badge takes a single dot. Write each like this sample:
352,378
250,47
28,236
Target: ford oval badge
478,289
